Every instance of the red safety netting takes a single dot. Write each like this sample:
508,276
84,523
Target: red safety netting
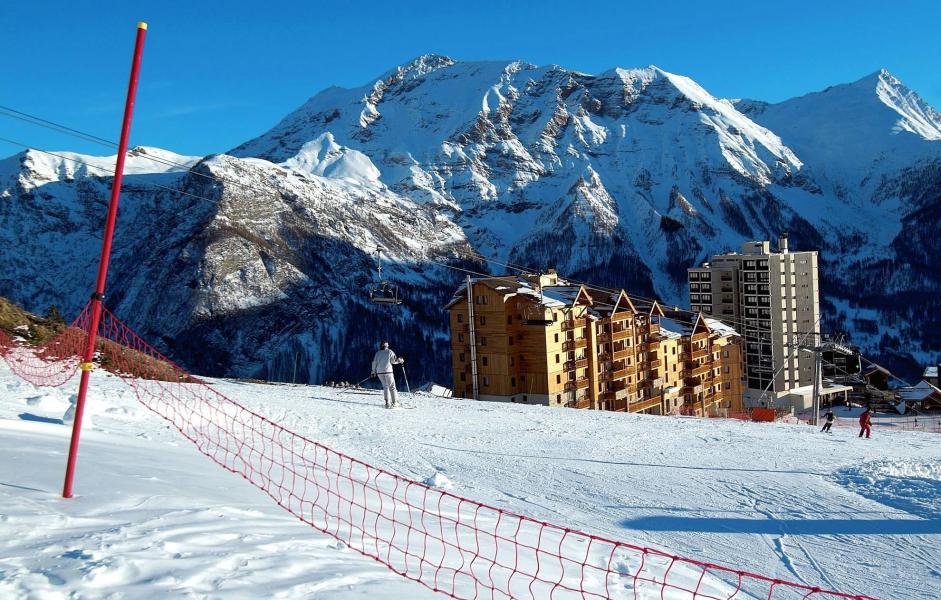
52,363
450,544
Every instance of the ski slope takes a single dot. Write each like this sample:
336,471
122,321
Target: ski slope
153,517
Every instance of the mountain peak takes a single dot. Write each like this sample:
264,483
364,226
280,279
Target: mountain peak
418,66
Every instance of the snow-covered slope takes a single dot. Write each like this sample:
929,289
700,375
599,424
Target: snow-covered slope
153,517
624,178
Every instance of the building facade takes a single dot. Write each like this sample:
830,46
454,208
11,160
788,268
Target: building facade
773,299
539,340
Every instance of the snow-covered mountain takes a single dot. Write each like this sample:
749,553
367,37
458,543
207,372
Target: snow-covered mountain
623,178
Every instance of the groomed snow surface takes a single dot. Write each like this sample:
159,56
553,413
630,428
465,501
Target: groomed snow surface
153,517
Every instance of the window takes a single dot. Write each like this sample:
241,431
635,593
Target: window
483,341
461,357
509,319
557,359
512,361
460,317
728,385
460,337
558,379
555,317
510,340
557,337
484,361
513,381
524,398
463,376
483,320
486,381
558,397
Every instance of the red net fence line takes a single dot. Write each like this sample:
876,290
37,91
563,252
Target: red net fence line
54,362
450,544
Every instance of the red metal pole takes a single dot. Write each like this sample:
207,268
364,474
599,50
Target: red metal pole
98,296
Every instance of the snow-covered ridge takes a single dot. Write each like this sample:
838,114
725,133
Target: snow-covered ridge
62,165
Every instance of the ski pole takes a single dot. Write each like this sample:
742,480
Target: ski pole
406,380
356,385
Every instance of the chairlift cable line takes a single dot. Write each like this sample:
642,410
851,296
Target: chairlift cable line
7,111
481,257
36,120
466,253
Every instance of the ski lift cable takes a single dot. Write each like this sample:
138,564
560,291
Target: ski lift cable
88,137
39,121
468,271
740,321
214,203
107,171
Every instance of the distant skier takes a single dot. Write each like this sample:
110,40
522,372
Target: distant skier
865,423
829,417
382,367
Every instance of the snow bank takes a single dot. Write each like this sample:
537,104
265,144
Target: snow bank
910,485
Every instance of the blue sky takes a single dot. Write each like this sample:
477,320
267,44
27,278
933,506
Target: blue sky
218,73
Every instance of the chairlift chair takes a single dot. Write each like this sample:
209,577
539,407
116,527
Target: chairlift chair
383,292
537,315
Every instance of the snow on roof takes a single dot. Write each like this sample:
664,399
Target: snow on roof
828,388
931,372
719,327
674,329
919,392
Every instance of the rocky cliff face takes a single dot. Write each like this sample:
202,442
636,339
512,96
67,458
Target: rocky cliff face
624,178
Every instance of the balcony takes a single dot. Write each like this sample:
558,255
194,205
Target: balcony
622,354
567,325
700,353
581,363
583,403
605,376
655,364
604,337
621,334
644,404
569,345
622,373
702,370
582,383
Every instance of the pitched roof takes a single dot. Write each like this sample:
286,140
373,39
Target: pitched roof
919,392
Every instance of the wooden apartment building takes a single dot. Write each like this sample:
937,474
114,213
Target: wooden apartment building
539,340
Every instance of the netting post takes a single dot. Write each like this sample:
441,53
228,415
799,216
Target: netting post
98,296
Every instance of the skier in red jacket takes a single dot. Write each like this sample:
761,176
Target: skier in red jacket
865,423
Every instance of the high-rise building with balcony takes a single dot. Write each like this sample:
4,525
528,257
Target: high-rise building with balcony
537,339
773,299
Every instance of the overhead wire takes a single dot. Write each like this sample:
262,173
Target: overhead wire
49,124
36,120
466,253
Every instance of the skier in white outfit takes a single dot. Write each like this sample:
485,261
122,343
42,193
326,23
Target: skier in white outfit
382,367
